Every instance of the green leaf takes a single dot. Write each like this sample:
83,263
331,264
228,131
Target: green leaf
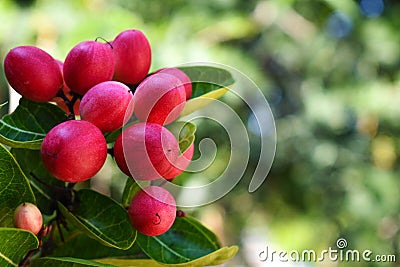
14,245
14,187
202,101
184,132
66,262
206,79
30,162
131,262
76,245
187,240
130,189
28,124
102,218
3,105
112,136
215,258
208,83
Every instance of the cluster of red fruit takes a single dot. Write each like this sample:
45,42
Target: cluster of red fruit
95,82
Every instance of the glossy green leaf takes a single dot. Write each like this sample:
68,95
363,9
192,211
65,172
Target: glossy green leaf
206,79
185,133
215,258
30,162
14,245
208,83
14,187
130,189
66,262
187,240
28,124
76,245
102,218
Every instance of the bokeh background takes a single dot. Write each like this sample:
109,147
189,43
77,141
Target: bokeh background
330,71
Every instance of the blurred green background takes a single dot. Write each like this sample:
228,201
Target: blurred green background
330,71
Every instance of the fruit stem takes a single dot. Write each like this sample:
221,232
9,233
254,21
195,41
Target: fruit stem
60,231
26,258
61,94
163,183
132,87
31,253
107,42
52,187
71,185
63,194
69,103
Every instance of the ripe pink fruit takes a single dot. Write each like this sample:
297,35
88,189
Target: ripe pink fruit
33,73
146,151
74,151
28,217
181,163
152,211
160,98
87,64
186,82
132,55
108,105
119,156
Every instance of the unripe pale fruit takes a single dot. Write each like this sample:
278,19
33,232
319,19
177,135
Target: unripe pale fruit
108,105
152,211
160,98
33,73
87,64
74,151
132,56
181,163
146,151
186,82
28,217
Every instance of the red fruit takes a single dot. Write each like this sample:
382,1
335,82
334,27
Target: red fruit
87,64
107,105
132,55
74,151
152,211
33,73
146,151
181,163
28,217
160,98
119,156
186,82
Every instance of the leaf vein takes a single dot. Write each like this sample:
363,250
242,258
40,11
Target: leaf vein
20,130
165,246
7,259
